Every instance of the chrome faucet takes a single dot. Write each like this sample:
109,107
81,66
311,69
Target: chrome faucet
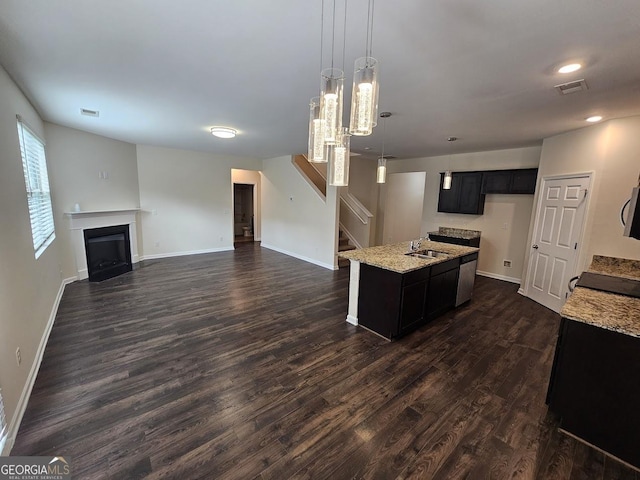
414,245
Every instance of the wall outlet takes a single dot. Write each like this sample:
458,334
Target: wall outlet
507,263
18,356
156,244
505,226
222,239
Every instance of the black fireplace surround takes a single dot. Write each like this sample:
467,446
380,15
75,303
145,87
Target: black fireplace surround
108,252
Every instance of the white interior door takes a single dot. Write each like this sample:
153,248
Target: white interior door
558,227
403,206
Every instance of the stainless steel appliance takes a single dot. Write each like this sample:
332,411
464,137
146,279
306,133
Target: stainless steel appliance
466,279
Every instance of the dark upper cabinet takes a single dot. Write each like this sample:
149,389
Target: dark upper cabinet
522,181
465,195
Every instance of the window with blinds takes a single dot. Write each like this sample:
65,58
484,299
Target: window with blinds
34,164
3,425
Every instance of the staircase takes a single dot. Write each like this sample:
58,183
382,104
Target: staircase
343,245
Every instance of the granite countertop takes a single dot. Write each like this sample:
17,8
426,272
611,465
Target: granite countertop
618,313
392,257
456,233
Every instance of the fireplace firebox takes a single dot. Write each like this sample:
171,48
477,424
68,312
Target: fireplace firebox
108,252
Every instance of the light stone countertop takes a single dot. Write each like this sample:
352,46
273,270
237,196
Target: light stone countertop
618,313
457,233
392,257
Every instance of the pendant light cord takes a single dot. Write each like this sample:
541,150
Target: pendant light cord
384,134
369,46
321,33
344,34
333,33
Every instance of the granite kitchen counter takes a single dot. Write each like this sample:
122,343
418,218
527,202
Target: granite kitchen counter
392,257
457,233
610,311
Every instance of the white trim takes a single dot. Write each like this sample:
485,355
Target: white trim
521,291
352,320
79,221
14,426
181,254
498,277
299,257
350,236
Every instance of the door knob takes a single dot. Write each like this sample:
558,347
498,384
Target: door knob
535,246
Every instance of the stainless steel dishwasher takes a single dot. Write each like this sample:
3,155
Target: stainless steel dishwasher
466,278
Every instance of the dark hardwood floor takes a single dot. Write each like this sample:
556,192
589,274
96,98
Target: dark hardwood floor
241,365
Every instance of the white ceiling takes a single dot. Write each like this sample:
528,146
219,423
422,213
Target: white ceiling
162,72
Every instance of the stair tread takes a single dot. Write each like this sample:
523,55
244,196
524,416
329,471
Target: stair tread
344,248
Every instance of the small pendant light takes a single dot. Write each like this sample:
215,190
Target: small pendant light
316,133
364,97
339,160
381,173
448,175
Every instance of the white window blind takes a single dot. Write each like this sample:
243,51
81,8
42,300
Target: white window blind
34,164
3,425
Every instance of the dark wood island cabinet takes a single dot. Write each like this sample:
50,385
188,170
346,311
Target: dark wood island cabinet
397,293
595,379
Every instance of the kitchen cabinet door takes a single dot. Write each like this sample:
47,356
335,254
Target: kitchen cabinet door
449,200
524,181
497,181
464,196
412,306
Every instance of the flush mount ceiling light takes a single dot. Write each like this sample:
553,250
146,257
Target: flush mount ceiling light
570,68
594,119
223,132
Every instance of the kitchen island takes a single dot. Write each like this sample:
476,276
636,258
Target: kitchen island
392,292
594,386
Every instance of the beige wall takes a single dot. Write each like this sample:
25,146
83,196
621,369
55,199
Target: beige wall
75,160
251,177
28,287
295,219
609,150
362,181
186,200
506,219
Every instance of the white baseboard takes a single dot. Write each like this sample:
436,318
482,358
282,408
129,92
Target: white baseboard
521,292
181,254
300,257
499,277
14,426
352,320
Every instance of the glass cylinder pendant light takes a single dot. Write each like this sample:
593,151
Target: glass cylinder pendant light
448,176
316,151
381,173
339,160
364,97
446,181
331,103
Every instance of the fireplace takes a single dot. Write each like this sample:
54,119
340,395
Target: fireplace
108,252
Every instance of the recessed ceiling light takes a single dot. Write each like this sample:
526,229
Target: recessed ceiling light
594,119
569,68
223,132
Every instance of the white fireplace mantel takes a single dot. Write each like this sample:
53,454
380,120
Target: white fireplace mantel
85,219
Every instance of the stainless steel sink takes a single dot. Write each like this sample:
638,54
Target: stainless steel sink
428,254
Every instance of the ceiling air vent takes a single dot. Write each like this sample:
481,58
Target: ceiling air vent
89,113
390,157
572,87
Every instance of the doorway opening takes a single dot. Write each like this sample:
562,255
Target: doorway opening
243,214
